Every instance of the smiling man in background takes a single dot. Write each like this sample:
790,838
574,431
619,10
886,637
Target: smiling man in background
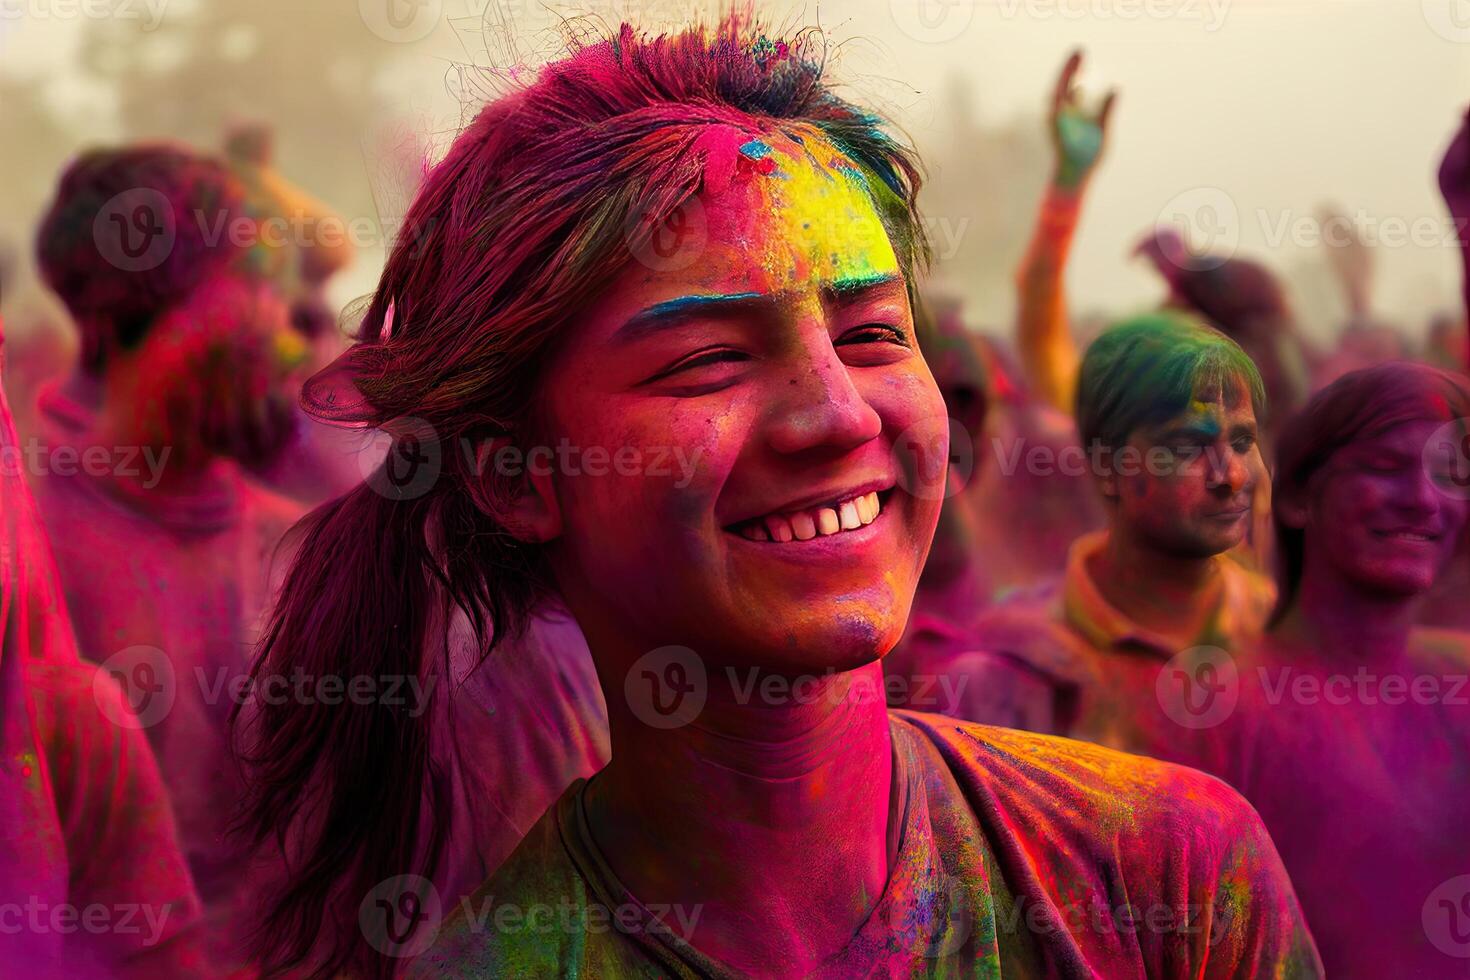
1166,410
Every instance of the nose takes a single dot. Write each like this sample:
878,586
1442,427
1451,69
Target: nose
1420,496
1230,471
817,406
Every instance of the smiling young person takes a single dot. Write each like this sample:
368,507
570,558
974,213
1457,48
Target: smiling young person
758,786
1358,752
1166,409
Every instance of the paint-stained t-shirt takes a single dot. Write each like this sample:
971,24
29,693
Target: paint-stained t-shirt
123,865
1111,680
1020,855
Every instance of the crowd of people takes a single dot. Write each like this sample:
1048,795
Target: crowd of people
712,600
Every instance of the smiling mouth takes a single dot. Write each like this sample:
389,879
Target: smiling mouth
1422,536
820,521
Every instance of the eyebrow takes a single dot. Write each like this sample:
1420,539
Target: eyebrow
1207,428
672,312
682,309
845,288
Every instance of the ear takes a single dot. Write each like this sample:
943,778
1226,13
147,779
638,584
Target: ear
515,491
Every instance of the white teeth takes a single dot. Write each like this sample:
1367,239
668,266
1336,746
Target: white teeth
827,521
849,515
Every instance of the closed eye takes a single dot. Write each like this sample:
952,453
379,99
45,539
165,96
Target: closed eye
874,333
698,359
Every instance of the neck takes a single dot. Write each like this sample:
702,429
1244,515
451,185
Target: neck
136,414
780,812
1164,593
1334,616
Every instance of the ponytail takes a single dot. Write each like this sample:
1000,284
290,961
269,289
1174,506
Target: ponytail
354,604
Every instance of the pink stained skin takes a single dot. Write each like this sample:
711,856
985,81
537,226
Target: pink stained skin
803,406
1389,770
1374,500
1164,528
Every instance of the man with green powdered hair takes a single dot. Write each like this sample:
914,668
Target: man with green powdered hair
1139,635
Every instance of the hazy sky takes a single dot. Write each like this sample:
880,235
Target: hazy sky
1238,115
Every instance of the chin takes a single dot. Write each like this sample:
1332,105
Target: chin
1201,547
1394,579
834,640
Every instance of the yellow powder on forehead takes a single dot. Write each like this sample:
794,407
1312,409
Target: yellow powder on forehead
825,227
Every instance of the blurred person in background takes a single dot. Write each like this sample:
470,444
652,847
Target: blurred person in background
162,540
85,820
1166,410
1352,738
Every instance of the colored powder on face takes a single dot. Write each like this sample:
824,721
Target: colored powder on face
822,225
756,149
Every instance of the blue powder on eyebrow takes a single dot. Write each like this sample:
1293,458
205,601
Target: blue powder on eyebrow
756,149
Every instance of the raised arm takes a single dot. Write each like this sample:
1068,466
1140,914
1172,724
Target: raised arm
1048,351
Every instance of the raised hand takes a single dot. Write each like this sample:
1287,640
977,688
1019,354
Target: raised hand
1078,136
